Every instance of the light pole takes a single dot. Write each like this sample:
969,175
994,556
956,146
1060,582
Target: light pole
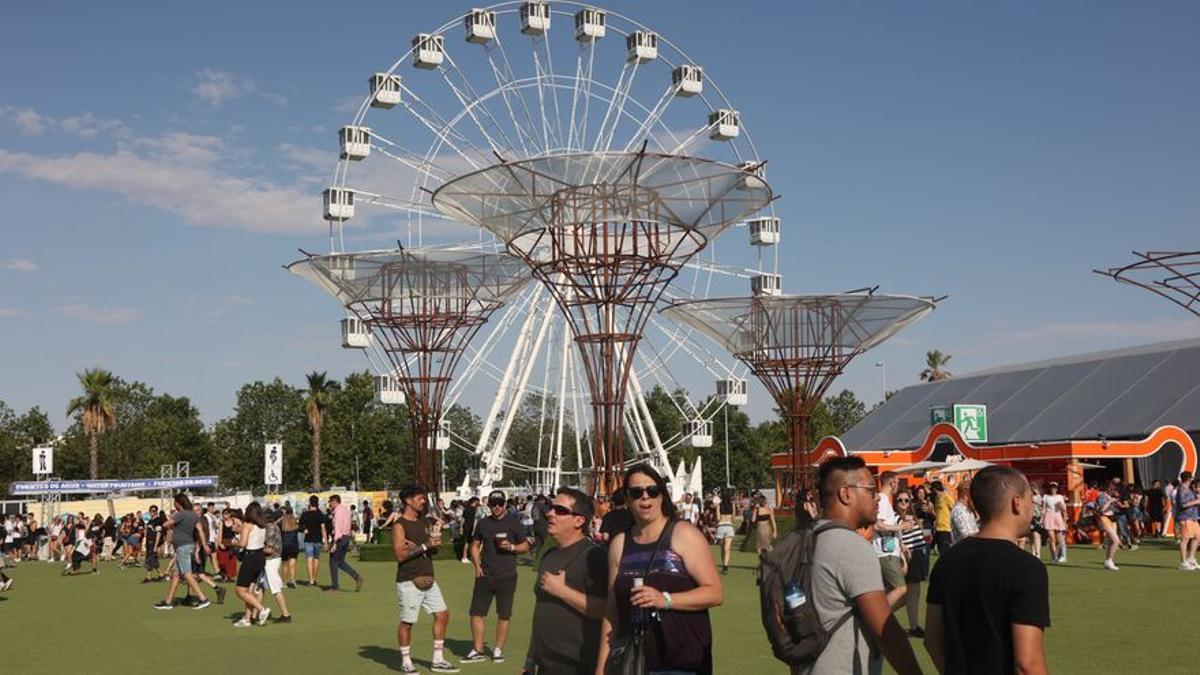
882,365
725,408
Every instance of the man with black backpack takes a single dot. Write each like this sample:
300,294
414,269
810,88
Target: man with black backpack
823,599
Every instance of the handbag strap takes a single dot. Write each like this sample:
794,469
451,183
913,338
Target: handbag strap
664,536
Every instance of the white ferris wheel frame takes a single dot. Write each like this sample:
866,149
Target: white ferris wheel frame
533,314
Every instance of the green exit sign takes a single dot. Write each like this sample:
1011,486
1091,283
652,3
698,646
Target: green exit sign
970,420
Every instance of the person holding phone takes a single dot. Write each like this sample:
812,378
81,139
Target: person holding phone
498,539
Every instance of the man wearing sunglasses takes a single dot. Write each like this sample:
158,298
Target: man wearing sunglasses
570,593
498,539
847,583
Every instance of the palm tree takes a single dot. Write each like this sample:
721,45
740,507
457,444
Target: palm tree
96,406
316,406
935,362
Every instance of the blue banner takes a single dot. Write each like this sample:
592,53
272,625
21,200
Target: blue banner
41,487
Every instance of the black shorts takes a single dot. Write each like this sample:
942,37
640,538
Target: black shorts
501,588
289,552
151,559
252,568
918,565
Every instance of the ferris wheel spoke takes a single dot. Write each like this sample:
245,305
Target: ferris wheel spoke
547,75
443,136
412,160
505,80
469,104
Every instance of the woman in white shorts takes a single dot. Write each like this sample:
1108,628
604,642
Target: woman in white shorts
273,550
725,530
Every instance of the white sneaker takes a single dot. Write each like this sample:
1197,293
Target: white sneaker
241,623
473,657
1109,564
497,655
1191,563
263,615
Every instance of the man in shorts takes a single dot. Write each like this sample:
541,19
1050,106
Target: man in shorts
312,521
498,539
414,546
1187,521
184,526
887,542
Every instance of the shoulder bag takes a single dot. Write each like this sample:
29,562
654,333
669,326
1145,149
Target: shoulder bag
628,654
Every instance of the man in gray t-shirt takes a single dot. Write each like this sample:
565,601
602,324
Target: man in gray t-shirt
847,582
844,568
184,536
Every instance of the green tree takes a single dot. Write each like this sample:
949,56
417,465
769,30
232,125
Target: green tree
935,364
316,409
95,408
264,412
835,415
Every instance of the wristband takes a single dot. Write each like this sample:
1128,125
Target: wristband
667,597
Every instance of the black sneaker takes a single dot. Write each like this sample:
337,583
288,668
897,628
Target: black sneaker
164,605
202,604
443,666
284,619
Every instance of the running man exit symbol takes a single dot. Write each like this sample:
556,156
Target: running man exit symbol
971,422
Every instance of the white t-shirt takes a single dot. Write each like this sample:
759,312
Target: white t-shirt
885,543
83,545
688,511
1049,502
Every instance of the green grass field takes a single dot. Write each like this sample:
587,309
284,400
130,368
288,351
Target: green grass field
1104,622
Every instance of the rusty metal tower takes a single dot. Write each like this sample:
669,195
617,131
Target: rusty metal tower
797,345
606,233
423,307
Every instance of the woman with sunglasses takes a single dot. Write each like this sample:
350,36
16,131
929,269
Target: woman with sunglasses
652,589
912,541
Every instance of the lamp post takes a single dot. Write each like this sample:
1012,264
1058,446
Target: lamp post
882,365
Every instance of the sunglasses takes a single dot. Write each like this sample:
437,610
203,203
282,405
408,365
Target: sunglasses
496,502
903,501
560,510
651,491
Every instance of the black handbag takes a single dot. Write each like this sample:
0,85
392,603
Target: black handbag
628,654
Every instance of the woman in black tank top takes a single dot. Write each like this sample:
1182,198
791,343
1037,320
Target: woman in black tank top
670,604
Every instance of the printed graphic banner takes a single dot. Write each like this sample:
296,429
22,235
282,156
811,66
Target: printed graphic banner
29,487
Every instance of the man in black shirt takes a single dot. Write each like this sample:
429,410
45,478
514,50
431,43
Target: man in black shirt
571,592
618,520
989,602
498,539
312,521
1156,503
151,543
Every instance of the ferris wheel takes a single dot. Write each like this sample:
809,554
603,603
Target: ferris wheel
522,81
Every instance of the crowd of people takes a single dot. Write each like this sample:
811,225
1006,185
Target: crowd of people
635,568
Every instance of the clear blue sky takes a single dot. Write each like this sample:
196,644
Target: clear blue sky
160,161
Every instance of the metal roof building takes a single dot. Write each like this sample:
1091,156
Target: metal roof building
1112,395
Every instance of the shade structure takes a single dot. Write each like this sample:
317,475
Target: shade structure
606,233
921,467
965,466
423,307
1174,275
797,345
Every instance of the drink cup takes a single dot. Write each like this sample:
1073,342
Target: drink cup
435,534
502,541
